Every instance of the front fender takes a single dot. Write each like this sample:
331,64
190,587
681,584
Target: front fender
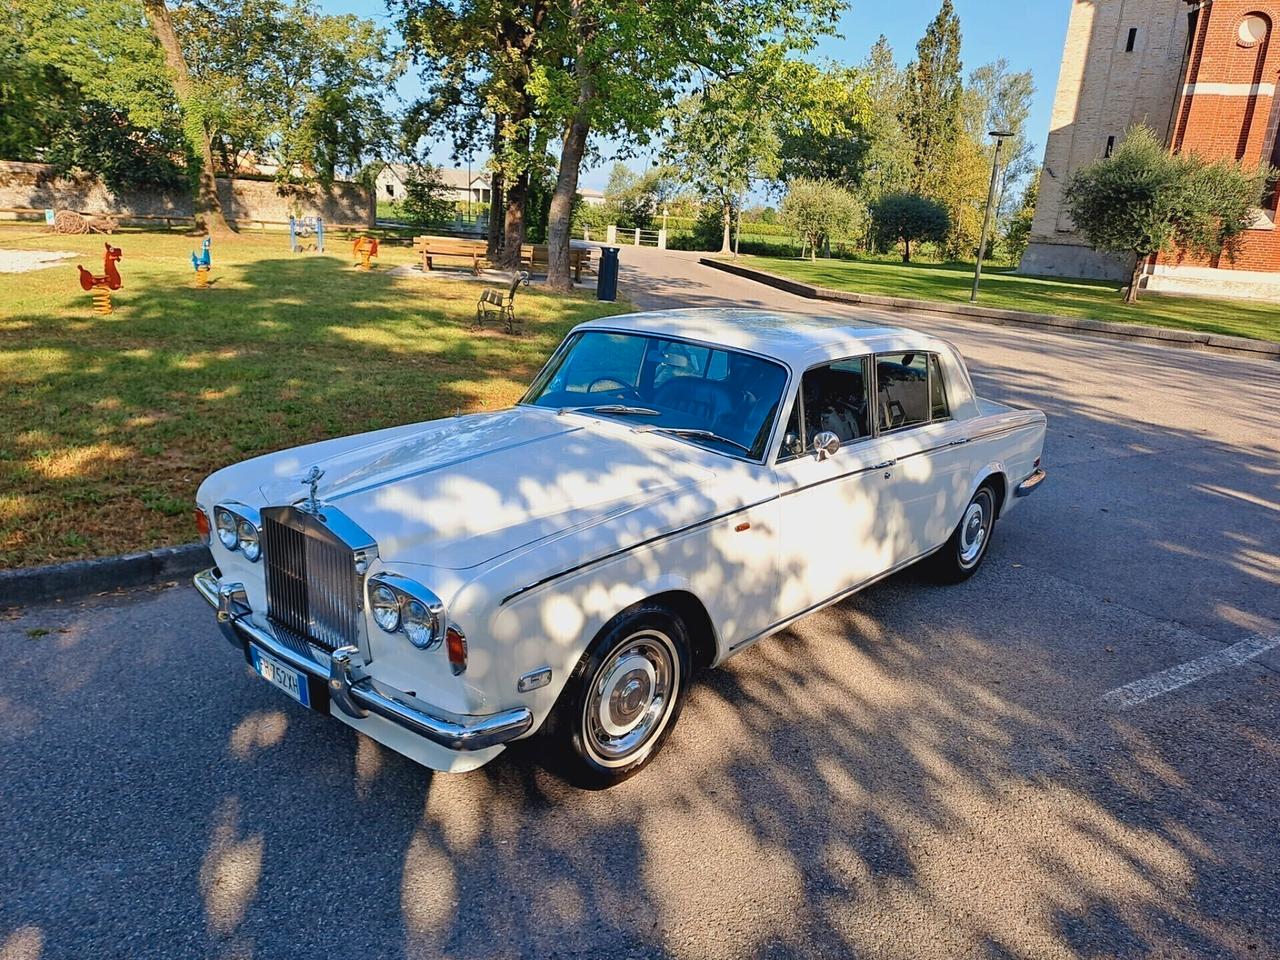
554,626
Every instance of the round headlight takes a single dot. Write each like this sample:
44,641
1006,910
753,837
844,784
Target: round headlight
419,624
386,608
226,523
250,545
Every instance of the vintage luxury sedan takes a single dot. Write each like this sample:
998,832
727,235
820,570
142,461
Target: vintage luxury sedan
674,487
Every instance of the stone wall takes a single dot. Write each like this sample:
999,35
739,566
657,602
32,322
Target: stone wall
33,186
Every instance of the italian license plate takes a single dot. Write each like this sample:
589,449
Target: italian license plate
278,674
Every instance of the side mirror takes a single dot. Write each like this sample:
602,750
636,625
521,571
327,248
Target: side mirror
825,444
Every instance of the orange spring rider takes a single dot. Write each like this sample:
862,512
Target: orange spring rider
102,286
365,249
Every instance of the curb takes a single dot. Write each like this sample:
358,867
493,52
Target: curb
1163,336
80,578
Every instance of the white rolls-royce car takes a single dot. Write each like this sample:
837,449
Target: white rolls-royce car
674,487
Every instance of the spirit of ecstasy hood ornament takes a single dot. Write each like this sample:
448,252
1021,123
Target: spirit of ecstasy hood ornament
311,479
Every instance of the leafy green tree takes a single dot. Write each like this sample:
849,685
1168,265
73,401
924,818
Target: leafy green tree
997,99
1143,200
425,201
818,210
282,81
720,143
888,161
821,127
908,218
932,101
1018,230
477,59
624,62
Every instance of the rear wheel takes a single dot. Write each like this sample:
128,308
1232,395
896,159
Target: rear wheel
964,552
622,699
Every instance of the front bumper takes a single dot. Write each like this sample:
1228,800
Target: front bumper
1028,486
355,695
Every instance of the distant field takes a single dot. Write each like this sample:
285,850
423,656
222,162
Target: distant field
950,282
107,424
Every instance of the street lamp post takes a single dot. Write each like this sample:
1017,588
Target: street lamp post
986,214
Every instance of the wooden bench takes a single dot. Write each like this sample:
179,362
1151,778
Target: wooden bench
432,248
534,256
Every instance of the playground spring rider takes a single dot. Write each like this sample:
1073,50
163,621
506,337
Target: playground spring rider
302,227
201,264
102,286
365,248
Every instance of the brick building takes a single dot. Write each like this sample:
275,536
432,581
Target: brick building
1203,76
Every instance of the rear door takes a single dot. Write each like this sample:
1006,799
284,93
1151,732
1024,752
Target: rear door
931,470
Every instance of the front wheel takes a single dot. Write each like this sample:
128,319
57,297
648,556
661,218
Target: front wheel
967,546
622,699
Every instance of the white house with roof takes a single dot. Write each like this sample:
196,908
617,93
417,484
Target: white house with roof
460,184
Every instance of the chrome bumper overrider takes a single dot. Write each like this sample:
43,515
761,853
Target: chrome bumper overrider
356,696
1028,486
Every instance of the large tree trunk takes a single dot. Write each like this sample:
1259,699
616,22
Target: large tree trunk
205,203
1131,295
906,249
560,218
497,197
513,222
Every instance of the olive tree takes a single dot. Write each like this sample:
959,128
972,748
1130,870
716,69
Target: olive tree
908,217
1143,200
818,210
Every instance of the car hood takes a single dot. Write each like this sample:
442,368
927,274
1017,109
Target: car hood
456,493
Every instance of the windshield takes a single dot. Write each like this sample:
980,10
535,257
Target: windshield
721,399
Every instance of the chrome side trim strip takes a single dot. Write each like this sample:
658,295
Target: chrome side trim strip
834,598
635,546
357,697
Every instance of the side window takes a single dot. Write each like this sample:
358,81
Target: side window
902,390
937,390
835,399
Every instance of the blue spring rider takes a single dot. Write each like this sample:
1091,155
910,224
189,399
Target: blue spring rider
201,263
302,227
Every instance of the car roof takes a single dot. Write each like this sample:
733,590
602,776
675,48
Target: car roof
796,338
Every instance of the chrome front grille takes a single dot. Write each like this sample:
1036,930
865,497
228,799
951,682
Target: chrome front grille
313,588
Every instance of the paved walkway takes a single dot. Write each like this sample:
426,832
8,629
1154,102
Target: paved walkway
1075,753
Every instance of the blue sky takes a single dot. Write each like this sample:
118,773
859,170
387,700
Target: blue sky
1028,34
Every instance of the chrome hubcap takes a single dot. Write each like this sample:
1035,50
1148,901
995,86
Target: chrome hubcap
973,530
630,697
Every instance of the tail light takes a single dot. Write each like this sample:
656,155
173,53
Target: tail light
202,526
456,646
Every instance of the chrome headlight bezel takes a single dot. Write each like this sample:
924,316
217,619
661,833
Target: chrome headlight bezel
229,517
421,614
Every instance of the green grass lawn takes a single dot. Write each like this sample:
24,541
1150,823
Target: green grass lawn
1001,288
108,423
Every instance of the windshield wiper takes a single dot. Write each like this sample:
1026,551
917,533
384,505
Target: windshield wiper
620,409
696,432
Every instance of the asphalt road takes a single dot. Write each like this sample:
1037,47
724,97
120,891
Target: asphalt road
917,772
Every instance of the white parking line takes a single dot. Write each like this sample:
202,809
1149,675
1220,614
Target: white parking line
1158,684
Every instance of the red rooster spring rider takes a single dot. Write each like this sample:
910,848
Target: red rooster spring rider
102,286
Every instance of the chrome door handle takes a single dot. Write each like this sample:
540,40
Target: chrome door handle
958,443
887,463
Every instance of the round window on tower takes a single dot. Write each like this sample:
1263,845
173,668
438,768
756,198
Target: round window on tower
1253,30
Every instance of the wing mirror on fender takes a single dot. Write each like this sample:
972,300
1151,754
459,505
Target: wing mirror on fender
825,444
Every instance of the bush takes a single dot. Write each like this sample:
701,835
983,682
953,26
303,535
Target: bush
817,210
908,217
424,202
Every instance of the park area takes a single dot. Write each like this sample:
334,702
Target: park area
109,423
1098,300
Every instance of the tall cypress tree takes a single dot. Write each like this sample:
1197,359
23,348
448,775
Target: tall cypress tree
931,108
